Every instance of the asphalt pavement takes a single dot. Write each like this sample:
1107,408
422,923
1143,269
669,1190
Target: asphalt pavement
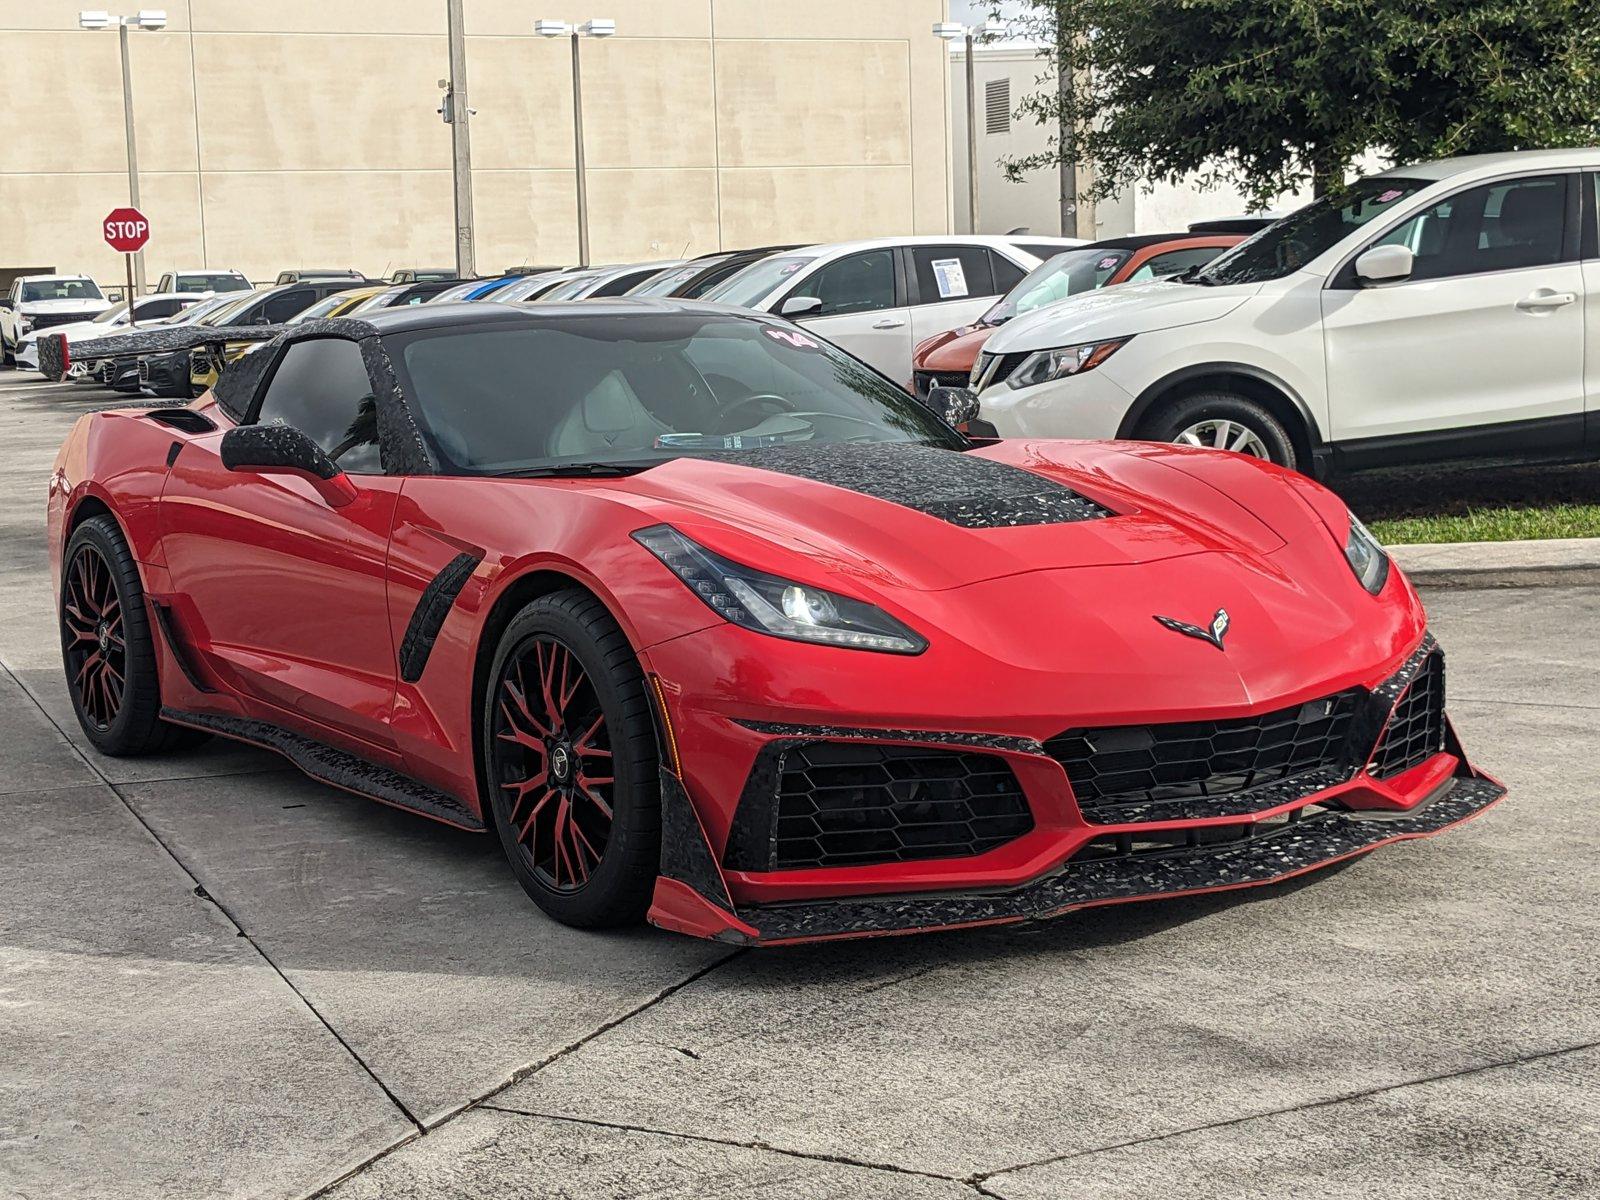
218,978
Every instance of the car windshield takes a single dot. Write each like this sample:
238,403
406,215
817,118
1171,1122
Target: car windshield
221,315
571,287
197,313
60,289
633,393
116,314
1287,245
758,281
1068,274
664,283
219,281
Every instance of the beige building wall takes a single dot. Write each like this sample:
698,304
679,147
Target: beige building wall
303,132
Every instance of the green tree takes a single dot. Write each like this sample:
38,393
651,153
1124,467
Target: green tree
1270,94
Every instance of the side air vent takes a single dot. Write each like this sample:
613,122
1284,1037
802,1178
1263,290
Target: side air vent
186,419
1415,733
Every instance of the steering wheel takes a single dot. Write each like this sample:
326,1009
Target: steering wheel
1292,254
767,398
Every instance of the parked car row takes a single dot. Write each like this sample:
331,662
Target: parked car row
1435,311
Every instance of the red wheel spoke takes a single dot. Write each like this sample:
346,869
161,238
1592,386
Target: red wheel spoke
547,725
581,744
519,697
532,816
594,796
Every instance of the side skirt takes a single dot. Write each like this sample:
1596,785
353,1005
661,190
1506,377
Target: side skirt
339,768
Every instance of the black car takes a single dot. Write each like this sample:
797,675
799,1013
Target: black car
168,374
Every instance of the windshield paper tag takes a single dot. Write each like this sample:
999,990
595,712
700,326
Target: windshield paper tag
952,279
790,337
1391,194
1107,263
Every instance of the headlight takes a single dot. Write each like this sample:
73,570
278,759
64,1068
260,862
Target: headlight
1044,365
1366,557
777,606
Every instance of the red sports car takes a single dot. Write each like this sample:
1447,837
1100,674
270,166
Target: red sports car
711,623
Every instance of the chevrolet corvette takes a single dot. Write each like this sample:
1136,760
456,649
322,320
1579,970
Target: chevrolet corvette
712,624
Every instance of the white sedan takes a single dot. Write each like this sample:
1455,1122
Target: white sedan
114,319
879,298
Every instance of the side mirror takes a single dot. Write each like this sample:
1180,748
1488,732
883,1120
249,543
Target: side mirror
800,306
1385,264
285,450
957,405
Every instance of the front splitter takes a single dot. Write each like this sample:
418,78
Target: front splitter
1315,842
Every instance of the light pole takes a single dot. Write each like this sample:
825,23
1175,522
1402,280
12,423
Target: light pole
150,20
952,31
597,27
457,112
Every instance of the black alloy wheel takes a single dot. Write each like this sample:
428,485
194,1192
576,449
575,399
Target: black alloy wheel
107,647
570,762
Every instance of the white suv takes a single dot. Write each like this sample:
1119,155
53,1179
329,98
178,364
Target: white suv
1445,310
877,299
40,301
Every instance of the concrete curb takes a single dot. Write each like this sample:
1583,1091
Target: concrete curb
1556,562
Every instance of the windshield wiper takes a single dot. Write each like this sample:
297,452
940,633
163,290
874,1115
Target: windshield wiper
577,470
1192,275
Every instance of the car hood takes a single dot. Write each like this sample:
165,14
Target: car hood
1129,308
77,329
45,307
923,520
956,350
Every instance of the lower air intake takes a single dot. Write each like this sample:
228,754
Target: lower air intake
846,804
1415,732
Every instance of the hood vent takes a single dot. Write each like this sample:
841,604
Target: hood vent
963,489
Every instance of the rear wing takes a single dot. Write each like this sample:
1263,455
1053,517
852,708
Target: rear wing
57,357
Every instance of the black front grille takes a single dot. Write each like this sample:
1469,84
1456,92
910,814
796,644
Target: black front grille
45,320
1145,772
843,804
1415,733
926,381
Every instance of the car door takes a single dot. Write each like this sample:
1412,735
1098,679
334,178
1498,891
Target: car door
863,308
1488,330
951,286
280,593
1591,308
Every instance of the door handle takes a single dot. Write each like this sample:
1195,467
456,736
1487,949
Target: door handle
888,323
1543,299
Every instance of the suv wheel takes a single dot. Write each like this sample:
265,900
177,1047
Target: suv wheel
1223,421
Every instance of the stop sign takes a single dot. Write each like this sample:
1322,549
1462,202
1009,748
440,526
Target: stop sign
126,230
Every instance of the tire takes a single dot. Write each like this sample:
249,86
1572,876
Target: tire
8,357
550,768
107,647
1204,413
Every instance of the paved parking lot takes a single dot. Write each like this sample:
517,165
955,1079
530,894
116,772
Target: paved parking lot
218,978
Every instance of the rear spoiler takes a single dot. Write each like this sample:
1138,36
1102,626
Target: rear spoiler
56,357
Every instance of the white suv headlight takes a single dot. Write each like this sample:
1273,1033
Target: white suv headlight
1044,365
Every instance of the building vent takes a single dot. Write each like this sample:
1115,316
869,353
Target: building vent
997,106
